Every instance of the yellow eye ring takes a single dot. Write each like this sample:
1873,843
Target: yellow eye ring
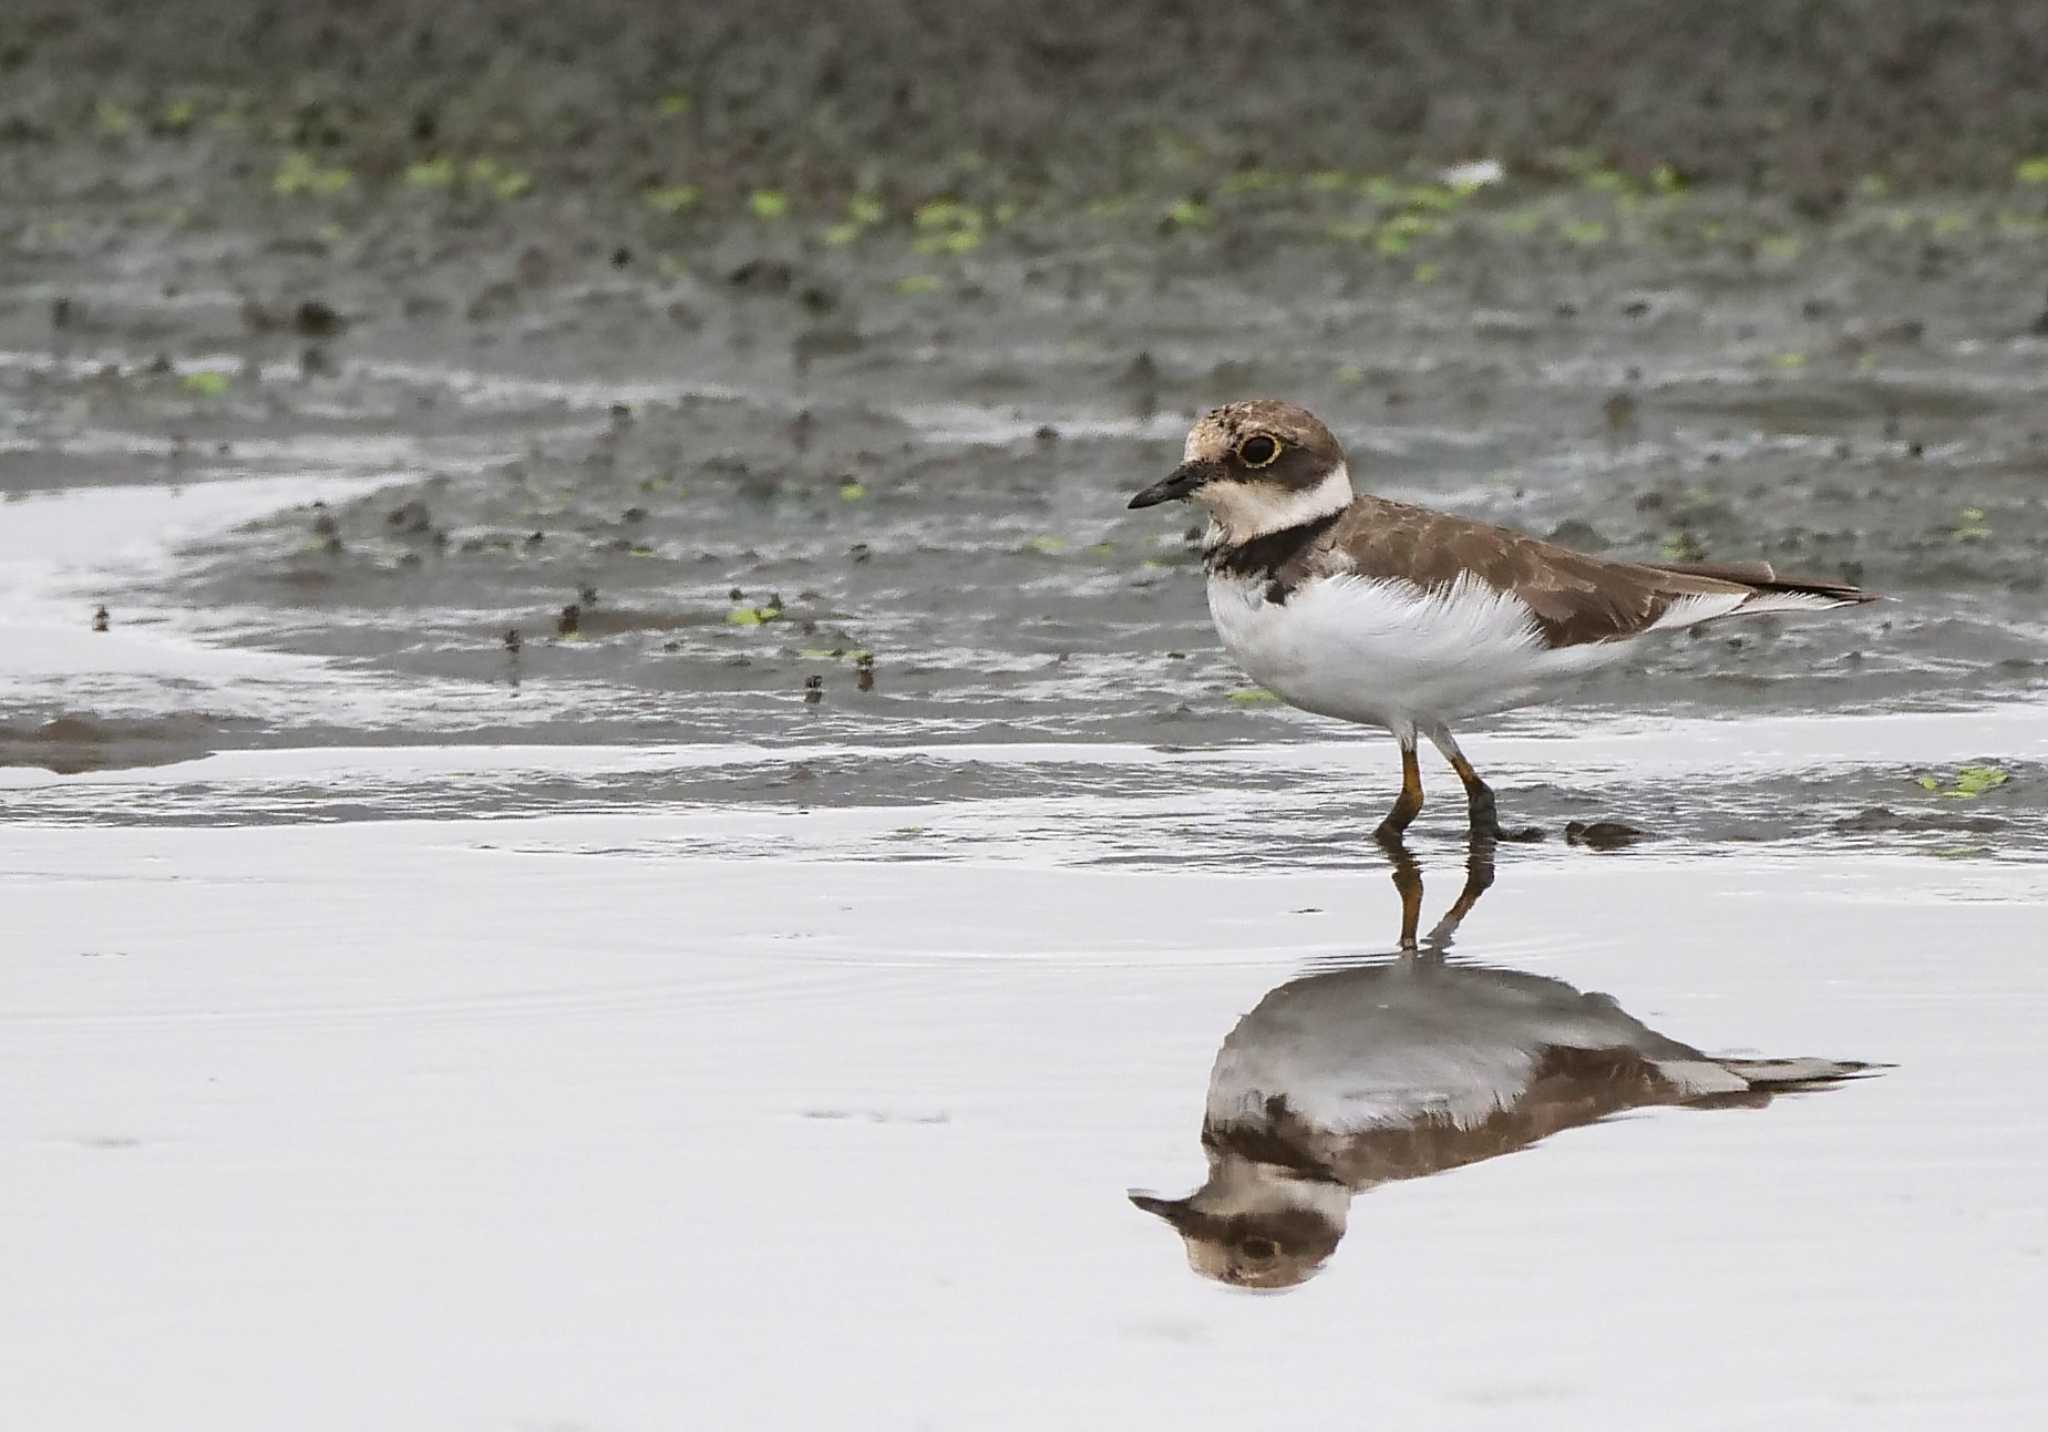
1259,450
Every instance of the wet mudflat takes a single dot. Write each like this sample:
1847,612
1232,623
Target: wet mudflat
604,816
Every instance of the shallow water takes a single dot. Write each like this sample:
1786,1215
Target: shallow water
549,1120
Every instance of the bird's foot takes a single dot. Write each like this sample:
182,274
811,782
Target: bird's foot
1486,822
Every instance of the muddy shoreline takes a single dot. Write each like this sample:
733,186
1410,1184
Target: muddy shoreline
603,423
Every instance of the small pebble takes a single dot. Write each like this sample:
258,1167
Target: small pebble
1602,834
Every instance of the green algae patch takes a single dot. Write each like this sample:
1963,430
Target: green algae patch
300,174
946,226
207,383
1968,783
670,198
437,173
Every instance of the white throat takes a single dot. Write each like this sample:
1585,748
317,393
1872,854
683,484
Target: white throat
1240,511
1239,1185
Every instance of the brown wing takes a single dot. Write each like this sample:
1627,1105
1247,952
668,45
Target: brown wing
1576,598
1763,577
1568,1088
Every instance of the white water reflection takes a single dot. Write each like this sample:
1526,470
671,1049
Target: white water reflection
1413,1065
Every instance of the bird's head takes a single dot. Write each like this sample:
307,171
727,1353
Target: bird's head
1254,1226
1258,467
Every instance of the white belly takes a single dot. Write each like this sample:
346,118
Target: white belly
1386,652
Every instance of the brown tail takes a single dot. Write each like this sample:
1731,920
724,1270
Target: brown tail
1764,578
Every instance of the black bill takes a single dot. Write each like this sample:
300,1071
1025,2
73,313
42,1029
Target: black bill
1184,480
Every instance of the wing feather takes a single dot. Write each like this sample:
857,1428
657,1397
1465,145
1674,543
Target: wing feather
1574,597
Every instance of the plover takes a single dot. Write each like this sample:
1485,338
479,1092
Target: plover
1392,615
1336,1083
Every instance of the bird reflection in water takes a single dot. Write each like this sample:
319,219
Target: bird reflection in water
1412,1066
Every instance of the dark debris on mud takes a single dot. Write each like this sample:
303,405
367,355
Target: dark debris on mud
697,548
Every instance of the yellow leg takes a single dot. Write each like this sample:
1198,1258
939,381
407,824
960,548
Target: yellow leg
1478,794
1409,803
1479,801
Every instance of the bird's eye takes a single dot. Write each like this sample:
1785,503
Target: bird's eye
1259,1250
1258,450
